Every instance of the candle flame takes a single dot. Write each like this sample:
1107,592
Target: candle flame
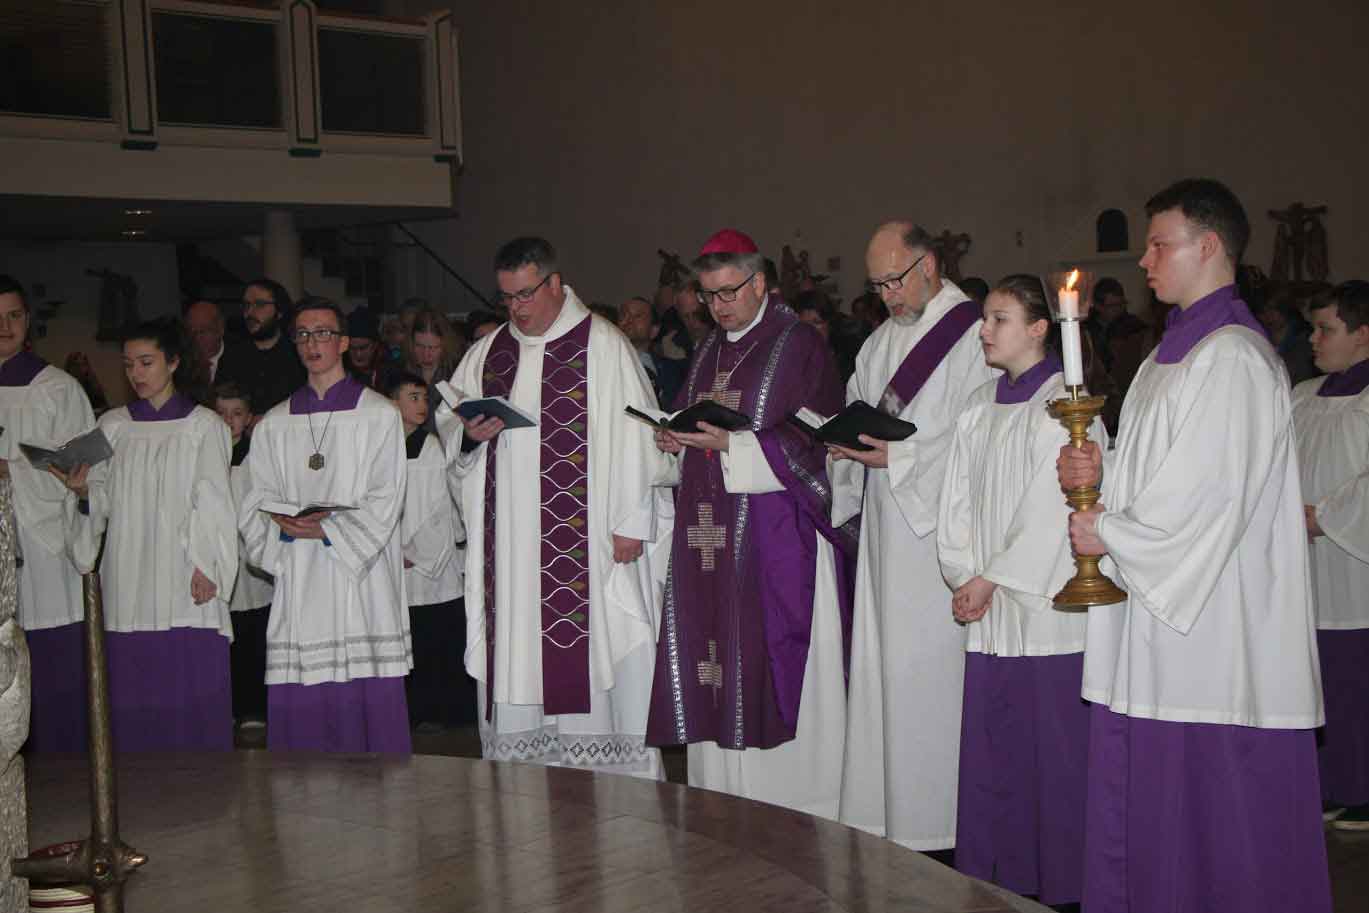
1074,277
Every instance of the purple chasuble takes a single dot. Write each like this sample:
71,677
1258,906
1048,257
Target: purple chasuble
340,397
564,426
178,406
21,369
1185,328
1350,382
922,360
1010,392
738,605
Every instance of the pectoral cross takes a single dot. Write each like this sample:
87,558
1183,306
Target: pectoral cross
719,393
706,537
711,671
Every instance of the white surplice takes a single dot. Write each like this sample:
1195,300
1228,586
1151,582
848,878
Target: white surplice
1204,526
429,530
907,652
254,587
1004,518
339,611
1333,458
49,411
623,460
164,502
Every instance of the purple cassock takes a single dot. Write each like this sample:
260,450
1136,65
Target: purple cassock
738,604
59,719
1202,816
169,690
1023,752
361,715
1343,752
564,562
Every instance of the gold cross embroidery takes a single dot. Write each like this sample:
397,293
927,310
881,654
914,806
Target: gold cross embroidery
706,537
719,393
711,671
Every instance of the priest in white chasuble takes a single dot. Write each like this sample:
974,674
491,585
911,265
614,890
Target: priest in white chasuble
1331,417
1202,771
337,644
750,662
908,652
556,516
43,405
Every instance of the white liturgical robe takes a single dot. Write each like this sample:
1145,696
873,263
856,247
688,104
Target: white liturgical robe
1204,525
429,530
1333,458
48,411
622,462
339,610
1004,518
908,652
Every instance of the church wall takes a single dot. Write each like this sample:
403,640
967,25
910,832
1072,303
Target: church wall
617,127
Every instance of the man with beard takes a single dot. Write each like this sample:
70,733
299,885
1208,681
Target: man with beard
269,369
363,356
907,651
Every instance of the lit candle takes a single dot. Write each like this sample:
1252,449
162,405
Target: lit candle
1069,298
1074,356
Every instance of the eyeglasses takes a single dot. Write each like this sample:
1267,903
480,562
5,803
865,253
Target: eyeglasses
724,294
894,284
526,294
325,335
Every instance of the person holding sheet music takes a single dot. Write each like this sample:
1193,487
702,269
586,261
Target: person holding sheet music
170,553
749,667
337,644
562,524
43,405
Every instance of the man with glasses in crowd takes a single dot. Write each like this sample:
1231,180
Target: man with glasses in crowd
749,666
558,589
908,652
338,644
269,369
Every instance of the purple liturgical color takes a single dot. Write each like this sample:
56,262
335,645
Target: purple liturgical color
169,690
340,397
1350,382
923,359
363,715
1344,753
60,720
21,369
563,425
177,406
1186,327
725,672
1011,392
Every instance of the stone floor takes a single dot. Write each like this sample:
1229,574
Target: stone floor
1348,852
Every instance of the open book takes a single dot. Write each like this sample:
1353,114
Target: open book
490,406
89,448
687,420
844,428
295,511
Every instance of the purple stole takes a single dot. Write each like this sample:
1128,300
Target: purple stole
922,360
565,514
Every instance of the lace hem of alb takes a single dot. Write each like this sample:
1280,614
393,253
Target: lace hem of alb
547,746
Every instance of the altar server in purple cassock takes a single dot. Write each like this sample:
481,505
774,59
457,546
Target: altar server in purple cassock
559,608
170,556
41,404
750,663
1202,778
908,652
337,643
1331,416
1003,540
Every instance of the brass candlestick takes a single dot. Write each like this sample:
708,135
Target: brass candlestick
1089,586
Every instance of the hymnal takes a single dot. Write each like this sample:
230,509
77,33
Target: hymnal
88,449
844,428
295,511
687,420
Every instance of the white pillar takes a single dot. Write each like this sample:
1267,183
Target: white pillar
280,251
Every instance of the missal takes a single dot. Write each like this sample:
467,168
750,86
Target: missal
844,428
296,511
88,449
687,420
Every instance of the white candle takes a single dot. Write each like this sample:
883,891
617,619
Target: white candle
1069,304
1074,356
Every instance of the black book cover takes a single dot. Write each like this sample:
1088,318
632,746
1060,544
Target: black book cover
844,428
687,420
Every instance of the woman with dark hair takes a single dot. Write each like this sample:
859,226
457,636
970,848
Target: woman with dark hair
170,554
1003,545
432,350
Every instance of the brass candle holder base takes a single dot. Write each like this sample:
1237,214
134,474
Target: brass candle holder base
1089,586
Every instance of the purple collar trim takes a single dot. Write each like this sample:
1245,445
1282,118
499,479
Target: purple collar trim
1010,392
21,369
1184,329
341,396
1350,382
177,407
